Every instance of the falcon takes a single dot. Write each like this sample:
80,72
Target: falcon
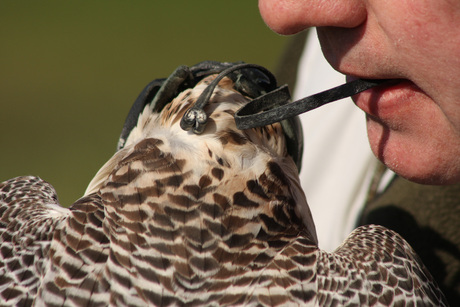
192,211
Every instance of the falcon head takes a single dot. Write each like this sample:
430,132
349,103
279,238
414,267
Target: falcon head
251,81
220,130
160,109
162,104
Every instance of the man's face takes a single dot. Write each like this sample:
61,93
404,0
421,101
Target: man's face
414,126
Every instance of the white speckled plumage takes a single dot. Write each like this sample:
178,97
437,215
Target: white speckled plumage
177,219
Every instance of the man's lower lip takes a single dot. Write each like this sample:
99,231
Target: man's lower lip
384,100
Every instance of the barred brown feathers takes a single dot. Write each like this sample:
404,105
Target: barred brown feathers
177,219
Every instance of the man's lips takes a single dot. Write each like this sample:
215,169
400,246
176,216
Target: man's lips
387,99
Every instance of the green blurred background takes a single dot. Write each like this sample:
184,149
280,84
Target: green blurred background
69,72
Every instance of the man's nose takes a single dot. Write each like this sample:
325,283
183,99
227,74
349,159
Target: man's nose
292,16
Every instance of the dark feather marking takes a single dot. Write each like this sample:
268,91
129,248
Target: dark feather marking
144,150
276,170
181,215
204,181
239,240
221,200
230,112
169,235
218,173
263,258
305,296
255,188
194,190
240,199
197,235
212,210
162,220
271,225
173,181
198,192
137,215
163,248
232,137
158,299
183,201
222,162
204,264
273,300
217,228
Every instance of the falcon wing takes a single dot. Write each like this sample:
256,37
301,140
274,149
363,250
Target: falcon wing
375,266
78,255
29,214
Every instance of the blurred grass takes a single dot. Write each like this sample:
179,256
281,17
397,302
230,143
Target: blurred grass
69,72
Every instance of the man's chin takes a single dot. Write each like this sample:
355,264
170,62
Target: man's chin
416,165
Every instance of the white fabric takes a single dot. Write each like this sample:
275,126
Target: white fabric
337,162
